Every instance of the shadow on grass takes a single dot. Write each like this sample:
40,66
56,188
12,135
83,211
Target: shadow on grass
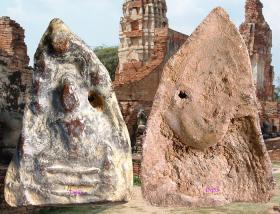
77,209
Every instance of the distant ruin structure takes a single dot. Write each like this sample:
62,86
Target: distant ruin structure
137,31
146,43
258,38
15,80
13,50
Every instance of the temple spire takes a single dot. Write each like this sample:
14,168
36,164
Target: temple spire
258,38
137,29
253,11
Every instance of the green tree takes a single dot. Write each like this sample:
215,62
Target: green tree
109,57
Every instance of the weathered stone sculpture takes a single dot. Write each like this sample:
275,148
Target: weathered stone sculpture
204,145
74,146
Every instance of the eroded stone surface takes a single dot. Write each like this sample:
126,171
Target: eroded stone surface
74,146
204,145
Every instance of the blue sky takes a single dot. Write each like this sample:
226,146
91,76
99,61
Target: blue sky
97,21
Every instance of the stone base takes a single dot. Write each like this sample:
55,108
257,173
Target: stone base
4,207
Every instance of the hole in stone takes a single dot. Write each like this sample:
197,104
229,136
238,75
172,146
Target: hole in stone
225,80
183,95
96,100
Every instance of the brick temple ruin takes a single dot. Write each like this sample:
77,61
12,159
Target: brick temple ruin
146,44
16,78
15,82
258,38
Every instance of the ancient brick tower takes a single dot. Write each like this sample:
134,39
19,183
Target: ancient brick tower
15,80
146,43
137,30
12,46
258,38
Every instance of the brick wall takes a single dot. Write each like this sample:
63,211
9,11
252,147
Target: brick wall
136,85
270,112
15,82
12,43
136,166
258,38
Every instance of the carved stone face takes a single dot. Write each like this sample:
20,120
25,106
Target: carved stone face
193,117
206,97
75,145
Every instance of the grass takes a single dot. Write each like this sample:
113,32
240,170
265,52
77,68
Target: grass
136,181
276,164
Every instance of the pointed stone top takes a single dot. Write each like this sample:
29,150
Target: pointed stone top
211,51
218,16
219,11
58,25
205,104
216,12
58,36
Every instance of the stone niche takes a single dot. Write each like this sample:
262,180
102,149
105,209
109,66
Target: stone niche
204,145
74,145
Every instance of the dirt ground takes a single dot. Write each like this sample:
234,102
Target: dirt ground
137,205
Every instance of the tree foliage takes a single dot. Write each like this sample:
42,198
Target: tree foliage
109,57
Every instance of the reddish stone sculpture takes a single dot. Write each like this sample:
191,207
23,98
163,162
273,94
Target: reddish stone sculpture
204,145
